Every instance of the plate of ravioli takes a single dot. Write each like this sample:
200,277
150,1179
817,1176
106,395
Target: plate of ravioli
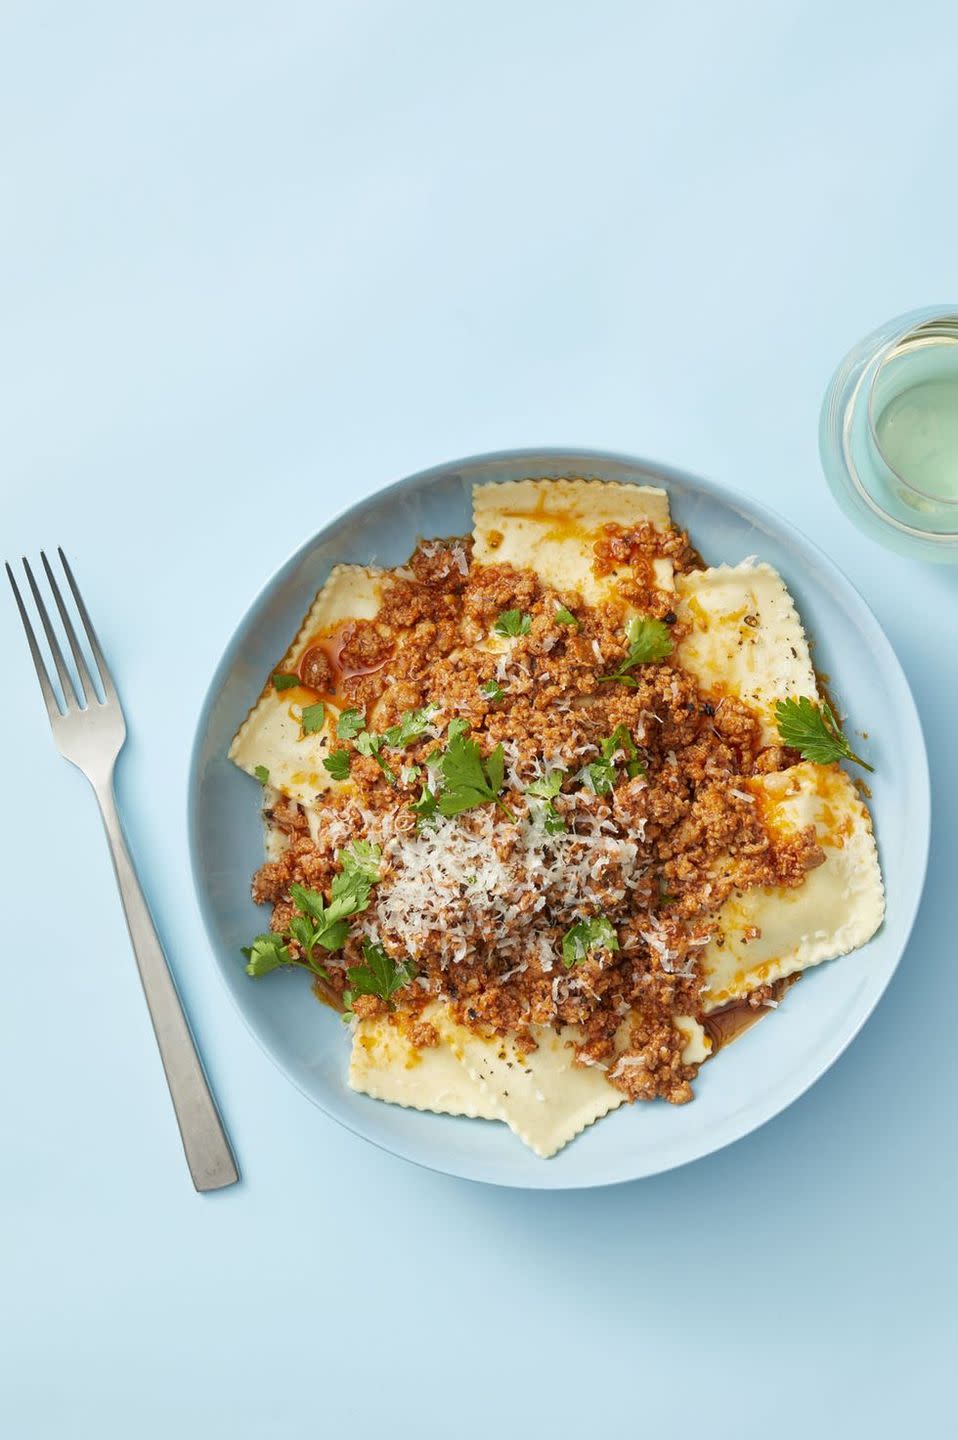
528,788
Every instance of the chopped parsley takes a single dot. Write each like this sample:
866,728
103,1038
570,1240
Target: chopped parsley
649,640
284,682
814,732
314,717
266,953
361,857
337,764
425,807
380,975
412,724
491,690
546,790
552,820
548,787
349,724
563,616
602,773
585,936
512,623
262,774
369,744
469,779
317,923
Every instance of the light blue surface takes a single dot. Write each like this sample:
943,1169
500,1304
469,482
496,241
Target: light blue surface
258,263
770,1066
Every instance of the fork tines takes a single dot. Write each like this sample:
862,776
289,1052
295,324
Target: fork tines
79,689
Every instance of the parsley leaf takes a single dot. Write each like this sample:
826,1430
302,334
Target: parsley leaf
381,975
337,764
585,936
549,786
266,953
314,717
547,789
317,923
491,690
411,725
649,640
349,724
262,774
457,726
370,744
814,732
470,780
552,820
512,623
362,857
602,772
425,807
284,682
563,616
409,773
348,1013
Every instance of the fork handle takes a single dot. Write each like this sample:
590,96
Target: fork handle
208,1152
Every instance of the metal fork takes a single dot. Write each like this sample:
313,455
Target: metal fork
89,732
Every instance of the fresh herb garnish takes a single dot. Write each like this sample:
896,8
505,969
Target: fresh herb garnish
313,719
563,616
512,622
337,764
469,779
548,787
317,923
546,790
349,724
491,690
350,894
457,726
361,857
284,682
370,744
266,953
814,732
409,773
585,936
649,640
552,820
412,724
381,975
425,807
262,774
602,772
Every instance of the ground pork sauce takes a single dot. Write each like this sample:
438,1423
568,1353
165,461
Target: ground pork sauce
480,903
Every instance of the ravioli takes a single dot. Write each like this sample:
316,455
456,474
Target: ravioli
746,639
386,1065
839,905
544,1097
272,735
551,526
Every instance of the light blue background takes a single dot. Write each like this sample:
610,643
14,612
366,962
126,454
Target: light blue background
257,261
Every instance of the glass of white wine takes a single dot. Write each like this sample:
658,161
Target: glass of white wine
889,434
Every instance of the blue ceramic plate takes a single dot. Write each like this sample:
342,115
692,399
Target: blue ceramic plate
762,1072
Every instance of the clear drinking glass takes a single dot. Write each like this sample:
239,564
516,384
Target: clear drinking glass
889,434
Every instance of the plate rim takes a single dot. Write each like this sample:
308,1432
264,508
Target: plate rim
576,458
